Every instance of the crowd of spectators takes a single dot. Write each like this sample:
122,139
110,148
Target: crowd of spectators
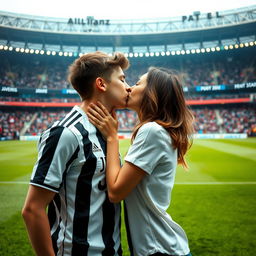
205,69
221,120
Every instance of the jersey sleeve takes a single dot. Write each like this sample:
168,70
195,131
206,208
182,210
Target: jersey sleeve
57,149
147,150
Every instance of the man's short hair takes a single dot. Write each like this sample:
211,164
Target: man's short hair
84,70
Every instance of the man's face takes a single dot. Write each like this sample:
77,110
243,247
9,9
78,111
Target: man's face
117,92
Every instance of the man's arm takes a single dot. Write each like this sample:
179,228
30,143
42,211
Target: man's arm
34,214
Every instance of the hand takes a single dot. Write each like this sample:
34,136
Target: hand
100,117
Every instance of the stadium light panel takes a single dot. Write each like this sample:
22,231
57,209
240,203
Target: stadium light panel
213,49
53,53
48,52
32,51
147,54
17,49
193,51
10,48
182,52
141,54
1,47
173,52
203,50
231,47
71,54
241,45
178,52
168,53
218,48
136,54
226,47
187,51
255,42
236,46
6,48
37,51
26,50
65,54
157,54
126,55
152,54
208,49
246,44
197,50
251,43
22,50
130,54
42,52
163,53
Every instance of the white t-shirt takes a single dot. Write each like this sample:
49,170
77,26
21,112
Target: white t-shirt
151,228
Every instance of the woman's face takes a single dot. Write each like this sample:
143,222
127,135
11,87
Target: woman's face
136,94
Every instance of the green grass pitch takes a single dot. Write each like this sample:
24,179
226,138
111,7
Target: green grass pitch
215,201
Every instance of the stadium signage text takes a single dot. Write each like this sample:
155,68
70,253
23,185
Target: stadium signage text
9,89
245,85
42,91
196,15
210,88
88,21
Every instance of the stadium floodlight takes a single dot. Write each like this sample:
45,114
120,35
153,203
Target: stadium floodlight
17,49
246,44
141,54
53,53
22,50
255,42
37,51
187,51
48,52
26,50
197,50
193,51
226,47
71,54
241,45
1,47
130,54
236,46
42,52
60,53
10,48
173,52
218,48
231,47
32,51
136,54
178,52
6,48
65,54
182,52
168,53
157,54
251,43
147,54
163,53
152,54
203,50
208,49
213,49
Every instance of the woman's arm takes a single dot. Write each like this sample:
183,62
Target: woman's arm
120,180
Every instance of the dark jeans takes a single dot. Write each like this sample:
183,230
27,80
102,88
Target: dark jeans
162,254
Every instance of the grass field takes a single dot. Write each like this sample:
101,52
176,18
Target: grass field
215,201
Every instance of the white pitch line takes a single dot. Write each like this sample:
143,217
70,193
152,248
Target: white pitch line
177,183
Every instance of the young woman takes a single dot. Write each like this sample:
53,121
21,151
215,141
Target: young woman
145,181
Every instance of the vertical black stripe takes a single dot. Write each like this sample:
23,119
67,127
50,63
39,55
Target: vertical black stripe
73,120
128,233
47,154
108,212
82,201
66,119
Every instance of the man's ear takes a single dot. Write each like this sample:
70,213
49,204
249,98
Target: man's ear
100,84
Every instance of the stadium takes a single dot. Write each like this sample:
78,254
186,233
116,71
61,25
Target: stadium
215,54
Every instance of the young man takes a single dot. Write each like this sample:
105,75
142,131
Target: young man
69,175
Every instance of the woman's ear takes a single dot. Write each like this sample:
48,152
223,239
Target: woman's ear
100,84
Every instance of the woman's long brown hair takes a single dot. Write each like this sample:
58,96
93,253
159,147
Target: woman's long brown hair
163,102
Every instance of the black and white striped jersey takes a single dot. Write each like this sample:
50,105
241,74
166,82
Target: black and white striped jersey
71,162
